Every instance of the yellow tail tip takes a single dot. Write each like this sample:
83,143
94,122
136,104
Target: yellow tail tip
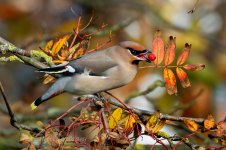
33,106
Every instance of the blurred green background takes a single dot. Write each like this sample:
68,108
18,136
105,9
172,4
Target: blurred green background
26,23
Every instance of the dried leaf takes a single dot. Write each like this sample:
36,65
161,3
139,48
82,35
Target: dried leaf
182,75
48,46
59,44
25,138
184,54
209,122
48,79
113,135
170,51
194,67
52,139
221,128
170,81
80,52
159,126
191,125
31,147
129,124
158,48
114,118
152,121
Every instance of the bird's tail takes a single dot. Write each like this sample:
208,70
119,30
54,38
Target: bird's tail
56,89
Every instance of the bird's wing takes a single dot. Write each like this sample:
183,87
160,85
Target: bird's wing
96,63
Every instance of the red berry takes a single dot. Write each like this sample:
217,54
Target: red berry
151,56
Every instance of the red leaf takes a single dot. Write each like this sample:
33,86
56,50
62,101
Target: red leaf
184,54
182,75
170,51
158,48
194,67
170,81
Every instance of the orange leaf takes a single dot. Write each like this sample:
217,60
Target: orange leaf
194,67
48,46
59,43
170,81
159,126
182,75
129,124
170,51
158,48
114,118
209,122
191,125
184,54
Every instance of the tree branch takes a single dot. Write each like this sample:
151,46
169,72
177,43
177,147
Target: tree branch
141,112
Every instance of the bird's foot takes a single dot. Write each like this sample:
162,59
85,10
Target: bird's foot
98,100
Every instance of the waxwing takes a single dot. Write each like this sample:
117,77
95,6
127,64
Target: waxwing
98,71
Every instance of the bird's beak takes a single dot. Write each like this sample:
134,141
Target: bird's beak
148,57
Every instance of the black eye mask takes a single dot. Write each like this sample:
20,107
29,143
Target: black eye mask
135,52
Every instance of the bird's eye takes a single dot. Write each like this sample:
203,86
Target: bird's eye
135,52
132,51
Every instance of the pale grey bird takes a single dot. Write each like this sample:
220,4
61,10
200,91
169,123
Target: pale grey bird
96,72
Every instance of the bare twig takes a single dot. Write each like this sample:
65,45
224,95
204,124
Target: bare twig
157,83
194,7
13,120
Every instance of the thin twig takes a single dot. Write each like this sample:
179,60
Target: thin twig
13,120
157,83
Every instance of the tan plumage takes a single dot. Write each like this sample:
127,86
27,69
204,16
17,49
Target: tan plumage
96,72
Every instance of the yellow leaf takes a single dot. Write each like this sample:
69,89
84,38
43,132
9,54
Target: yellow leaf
59,43
159,126
191,124
48,79
80,52
152,121
114,118
209,122
129,124
48,46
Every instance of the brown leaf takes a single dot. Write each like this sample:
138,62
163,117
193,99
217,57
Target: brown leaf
158,48
191,125
137,129
52,139
182,75
184,54
59,44
25,138
194,67
114,118
221,128
159,126
129,124
209,122
170,81
170,51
